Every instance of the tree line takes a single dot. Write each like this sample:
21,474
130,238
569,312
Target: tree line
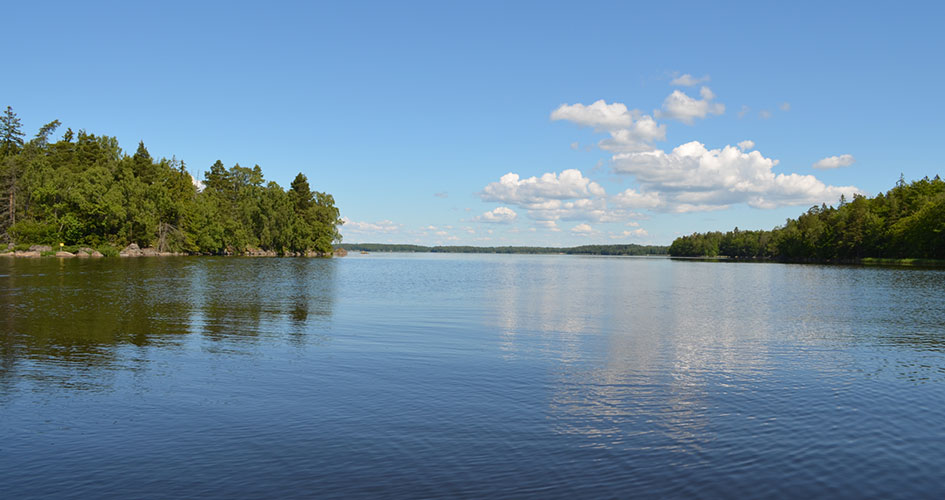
82,189
906,222
630,249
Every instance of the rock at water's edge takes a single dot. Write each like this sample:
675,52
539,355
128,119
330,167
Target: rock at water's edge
132,250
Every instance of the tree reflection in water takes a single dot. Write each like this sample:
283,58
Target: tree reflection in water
60,319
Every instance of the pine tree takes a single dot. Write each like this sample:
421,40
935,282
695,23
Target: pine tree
11,133
11,142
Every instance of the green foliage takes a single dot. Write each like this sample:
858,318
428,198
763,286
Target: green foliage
83,190
11,133
906,222
34,232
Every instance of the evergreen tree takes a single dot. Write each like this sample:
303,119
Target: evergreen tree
11,133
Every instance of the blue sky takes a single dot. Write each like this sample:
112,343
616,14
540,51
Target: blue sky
412,114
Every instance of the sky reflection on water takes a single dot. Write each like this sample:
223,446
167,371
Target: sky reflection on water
431,375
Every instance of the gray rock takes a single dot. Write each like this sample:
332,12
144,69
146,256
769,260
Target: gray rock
132,250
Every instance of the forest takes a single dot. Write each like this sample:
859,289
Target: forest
82,189
906,222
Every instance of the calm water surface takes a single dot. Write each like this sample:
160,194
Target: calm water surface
456,375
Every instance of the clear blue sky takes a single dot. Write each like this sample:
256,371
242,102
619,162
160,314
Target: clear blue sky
413,113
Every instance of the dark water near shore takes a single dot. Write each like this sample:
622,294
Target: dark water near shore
469,375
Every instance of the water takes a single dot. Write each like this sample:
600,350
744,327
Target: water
468,375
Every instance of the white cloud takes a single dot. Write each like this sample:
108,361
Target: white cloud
744,111
629,234
637,137
384,226
197,183
632,199
600,115
692,178
582,229
570,184
553,197
629,130
688,80
501,215
575,146
764,114
595,210
834,162
686,109
441,194
785,106
548,224
746,145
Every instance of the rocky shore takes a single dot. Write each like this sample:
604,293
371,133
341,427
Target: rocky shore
133,250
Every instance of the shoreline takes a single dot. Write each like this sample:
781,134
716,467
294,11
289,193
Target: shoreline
134,251
865,261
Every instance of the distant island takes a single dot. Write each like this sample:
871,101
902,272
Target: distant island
906,222
83,194
580,250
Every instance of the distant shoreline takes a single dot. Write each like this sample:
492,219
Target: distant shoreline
629,249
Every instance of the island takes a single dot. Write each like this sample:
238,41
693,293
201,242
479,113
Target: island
82,195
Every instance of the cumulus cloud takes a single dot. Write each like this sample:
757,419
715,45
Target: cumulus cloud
582,229
197,183
553,197
600,115
834,162
630,130
594,210
688,80
640,232
785,106
680,106
764,114
632,199
548,224
744,111
746,145
384,226
569,184
693,178
639,136
501,215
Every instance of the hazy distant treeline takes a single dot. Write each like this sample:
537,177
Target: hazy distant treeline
83,190
908,221
581,250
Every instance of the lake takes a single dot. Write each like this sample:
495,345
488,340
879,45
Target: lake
438,375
